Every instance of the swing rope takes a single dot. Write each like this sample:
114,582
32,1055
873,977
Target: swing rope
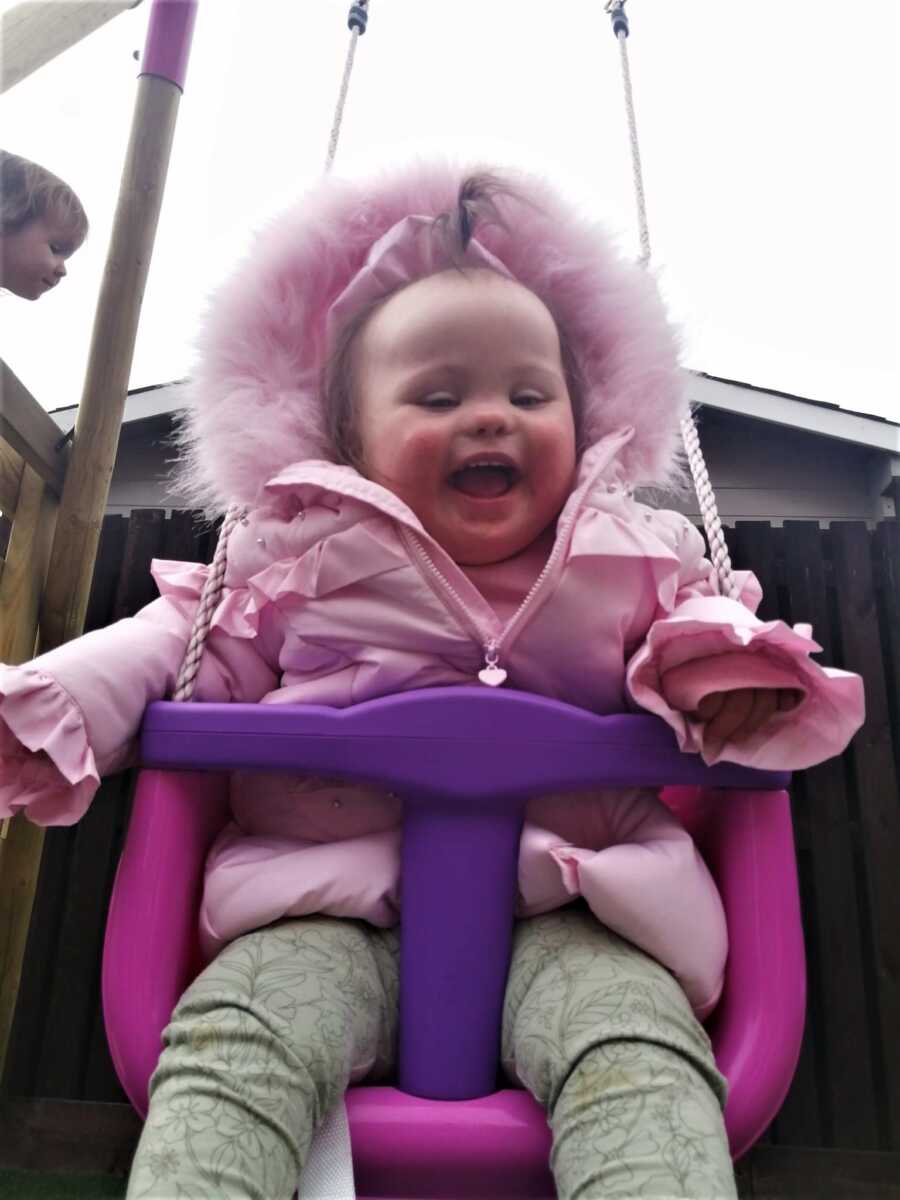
209,599
212,588
356,21
706,497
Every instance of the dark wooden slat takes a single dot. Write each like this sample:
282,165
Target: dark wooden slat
838,986
72,1005
37,969
5,531
143,543
179,537
100,1079
207,540
872,763
101,1083
60,1135
106,572
801,1120
886,561
755,546
778,1173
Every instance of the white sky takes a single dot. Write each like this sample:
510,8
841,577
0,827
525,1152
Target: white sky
769,137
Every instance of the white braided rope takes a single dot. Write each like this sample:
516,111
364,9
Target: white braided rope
636,171
342,97
707,500
212,588
209,598
706,497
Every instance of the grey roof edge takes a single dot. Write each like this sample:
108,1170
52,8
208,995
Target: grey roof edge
729,395
780,408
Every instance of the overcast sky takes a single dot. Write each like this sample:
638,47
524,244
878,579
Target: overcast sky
769,136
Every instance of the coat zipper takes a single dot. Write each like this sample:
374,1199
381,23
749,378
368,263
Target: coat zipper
448,593
492,673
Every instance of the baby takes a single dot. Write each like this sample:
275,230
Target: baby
42,224
432,398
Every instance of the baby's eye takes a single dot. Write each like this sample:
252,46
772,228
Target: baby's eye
438,400
527,399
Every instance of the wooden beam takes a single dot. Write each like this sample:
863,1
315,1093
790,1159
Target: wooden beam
31,34
30,431
25,570
21,843
99,420
11,466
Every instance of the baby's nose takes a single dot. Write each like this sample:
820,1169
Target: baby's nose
489,417
60,269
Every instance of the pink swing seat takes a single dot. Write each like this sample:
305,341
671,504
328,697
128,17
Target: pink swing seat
465,761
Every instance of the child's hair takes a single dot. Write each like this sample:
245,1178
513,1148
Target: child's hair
475,205
29,192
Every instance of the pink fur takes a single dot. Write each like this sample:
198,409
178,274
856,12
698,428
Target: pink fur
254,405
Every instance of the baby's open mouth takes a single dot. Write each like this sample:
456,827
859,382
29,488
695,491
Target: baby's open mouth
485,480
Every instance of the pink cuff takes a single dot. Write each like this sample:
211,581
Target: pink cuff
46,765
711,645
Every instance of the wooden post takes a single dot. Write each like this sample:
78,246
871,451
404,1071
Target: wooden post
87,480
112,344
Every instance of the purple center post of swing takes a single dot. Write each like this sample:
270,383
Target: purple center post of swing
465,760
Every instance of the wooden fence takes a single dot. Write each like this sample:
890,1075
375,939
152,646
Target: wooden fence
838,1133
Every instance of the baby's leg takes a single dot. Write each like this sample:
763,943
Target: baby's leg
605,1039
260,1047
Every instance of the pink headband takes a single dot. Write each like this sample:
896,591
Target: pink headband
407,252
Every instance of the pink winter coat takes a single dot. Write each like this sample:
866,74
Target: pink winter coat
336,595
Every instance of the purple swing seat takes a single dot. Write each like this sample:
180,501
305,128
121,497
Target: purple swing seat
465,760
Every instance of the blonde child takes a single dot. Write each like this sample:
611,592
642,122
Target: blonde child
42,224
434,396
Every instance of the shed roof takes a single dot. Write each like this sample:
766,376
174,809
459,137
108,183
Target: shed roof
729,395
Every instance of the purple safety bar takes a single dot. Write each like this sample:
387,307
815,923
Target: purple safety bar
465,760
168,43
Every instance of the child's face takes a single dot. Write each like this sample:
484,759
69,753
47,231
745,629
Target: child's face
33,260
461,369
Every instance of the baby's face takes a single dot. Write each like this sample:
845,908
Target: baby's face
464,413
33,260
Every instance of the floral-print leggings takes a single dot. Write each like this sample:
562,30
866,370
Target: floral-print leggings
266,1039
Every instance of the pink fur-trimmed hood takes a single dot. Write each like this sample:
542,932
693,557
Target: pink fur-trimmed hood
254,404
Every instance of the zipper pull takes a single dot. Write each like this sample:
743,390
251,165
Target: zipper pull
490,673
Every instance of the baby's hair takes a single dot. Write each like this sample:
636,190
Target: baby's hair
29,192
475,205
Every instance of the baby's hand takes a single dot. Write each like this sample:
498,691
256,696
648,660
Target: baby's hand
734,716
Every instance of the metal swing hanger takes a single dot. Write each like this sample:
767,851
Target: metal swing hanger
699,474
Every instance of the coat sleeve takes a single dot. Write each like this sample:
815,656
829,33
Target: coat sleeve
707,643
649,885
71,715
